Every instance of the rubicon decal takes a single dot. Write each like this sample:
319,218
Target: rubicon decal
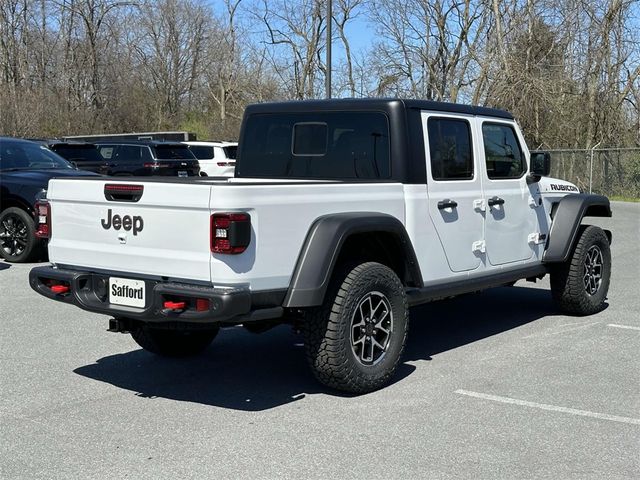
127,222
563,188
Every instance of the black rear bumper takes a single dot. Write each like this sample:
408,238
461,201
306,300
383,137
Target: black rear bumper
89,291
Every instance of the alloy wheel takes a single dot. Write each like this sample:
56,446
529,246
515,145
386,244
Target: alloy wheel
371,328
593,264
13,235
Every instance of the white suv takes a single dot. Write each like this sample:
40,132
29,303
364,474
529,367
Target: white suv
217,159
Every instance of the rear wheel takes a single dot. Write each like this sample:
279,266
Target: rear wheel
18,242
173,343
355,340
580,285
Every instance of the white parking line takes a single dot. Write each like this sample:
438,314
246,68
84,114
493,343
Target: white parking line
628,327
553,408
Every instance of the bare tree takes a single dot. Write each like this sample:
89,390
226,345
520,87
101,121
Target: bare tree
169,48
299,28
429,46
347,11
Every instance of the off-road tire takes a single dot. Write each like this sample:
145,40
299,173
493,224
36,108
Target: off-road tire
173,343
33,246
327,330
568,279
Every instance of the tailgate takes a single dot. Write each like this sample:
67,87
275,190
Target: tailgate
164,233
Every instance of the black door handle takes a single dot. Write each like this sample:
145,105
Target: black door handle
442,204
495,201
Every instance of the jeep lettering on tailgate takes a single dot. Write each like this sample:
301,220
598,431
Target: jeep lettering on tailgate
127,222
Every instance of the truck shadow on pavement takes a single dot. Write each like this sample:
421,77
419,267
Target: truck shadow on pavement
250,372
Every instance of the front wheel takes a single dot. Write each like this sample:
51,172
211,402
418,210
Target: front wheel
579,286
355,340
173,343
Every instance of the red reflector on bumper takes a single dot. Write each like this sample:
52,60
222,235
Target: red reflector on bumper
202,304
175,305
60,288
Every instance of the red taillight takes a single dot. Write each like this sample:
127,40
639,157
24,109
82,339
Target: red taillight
43,219
226,164
156,165
230,232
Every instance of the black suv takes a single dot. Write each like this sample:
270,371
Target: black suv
25,170
143,158
83,155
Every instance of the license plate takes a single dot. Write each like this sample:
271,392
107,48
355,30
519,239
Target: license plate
123,291
182,173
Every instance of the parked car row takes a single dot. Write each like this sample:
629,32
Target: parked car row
149,157
27,166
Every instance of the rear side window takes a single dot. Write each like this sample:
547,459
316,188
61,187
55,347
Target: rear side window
79,154
106,152
322,145
450,149
202,152
173,152
502,152
230,152
128,153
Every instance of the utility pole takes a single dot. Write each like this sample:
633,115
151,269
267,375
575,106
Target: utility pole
329,23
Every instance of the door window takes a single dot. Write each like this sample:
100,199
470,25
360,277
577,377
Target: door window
502,152
450,149
129,154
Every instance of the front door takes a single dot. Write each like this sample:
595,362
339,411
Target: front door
454,188
511,228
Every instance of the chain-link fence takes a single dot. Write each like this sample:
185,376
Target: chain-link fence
609,171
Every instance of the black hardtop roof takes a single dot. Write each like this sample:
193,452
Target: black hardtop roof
148,143
383,104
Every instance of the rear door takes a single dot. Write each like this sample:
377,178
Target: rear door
512,207
130,159
454,187
164,232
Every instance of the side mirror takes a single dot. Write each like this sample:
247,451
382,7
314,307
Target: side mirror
540,166
540,163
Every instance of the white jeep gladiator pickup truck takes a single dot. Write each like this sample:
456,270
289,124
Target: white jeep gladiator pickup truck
342,214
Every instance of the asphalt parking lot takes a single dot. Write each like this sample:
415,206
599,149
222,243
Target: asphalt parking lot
494,385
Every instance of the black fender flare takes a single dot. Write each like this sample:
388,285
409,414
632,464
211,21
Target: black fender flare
322,246
566,223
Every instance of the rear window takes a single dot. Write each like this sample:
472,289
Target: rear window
202,152
230,152
173,152
325,145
